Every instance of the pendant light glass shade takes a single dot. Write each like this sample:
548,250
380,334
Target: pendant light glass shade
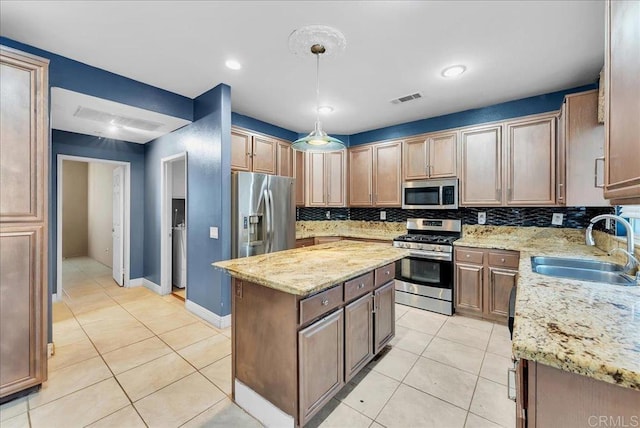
318,140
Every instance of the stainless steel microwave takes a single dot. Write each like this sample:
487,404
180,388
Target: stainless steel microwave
430,194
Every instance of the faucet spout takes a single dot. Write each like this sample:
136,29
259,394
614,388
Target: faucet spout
631,260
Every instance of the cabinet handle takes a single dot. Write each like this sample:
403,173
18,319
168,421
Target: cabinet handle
370,198
387,273
325,302
509,194
361,285
468,255
498,194
511,377
595,172
560,191
502,260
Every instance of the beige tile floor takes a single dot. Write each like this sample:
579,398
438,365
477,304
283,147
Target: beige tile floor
129,358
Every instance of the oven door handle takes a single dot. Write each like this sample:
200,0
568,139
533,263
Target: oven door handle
431,255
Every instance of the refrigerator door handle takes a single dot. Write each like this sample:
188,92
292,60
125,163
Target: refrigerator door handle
271,220
267,212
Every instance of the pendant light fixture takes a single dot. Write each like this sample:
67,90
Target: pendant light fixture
317,39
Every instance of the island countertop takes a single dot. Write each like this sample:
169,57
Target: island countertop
304,271
582,327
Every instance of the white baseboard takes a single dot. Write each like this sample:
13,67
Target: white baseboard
134,282
204,313
151,285
261,408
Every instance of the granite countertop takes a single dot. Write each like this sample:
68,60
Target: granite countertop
303,271
583,327
384,231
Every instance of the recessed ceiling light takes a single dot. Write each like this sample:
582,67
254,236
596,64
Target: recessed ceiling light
454,70
233,64
325,109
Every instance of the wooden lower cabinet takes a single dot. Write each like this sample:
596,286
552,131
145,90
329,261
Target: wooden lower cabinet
358,330
550,397
483,282
320,359
384,299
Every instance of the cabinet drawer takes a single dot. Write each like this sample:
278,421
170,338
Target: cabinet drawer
358,286
510,260
385,274
319,304
469,256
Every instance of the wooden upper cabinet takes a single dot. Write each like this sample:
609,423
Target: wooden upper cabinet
283,157
430,156
387,174
481,181
264,155
335,178
298,174
531,162
326,185
241,147
360,176
622,102
415,159
581,140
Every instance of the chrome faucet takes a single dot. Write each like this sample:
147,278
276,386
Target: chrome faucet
632,262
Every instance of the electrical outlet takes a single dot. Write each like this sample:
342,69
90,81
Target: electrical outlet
482,218
383,215
557,219
328,215
213,232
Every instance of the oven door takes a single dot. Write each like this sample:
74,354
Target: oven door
426,272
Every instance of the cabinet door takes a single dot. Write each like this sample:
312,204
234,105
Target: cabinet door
358,335
384,299
298,174
468,288
284,159
264,155
531,162
316,189
360,176
443,156
622,109
320,363
387,174
23,308
23,137
499,285
481,181
240,151
415,159
335,176
584,145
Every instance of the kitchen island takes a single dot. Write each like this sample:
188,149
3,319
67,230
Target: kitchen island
306,321
578,342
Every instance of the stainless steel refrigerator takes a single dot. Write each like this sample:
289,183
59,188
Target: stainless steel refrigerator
263,214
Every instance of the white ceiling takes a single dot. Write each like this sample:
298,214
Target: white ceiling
512,49
65,105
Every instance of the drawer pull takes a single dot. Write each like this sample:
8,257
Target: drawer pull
387,273
361,285
325,302
468,255
502,260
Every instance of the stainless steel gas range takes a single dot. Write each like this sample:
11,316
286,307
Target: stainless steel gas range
424,279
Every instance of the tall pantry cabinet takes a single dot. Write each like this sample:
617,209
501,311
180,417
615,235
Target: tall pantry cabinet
23,220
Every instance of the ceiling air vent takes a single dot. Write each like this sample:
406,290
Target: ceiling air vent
116,120
407,98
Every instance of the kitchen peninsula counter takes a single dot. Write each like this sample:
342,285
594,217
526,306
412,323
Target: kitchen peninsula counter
588,328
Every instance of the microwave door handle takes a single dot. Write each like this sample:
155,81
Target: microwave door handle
440,200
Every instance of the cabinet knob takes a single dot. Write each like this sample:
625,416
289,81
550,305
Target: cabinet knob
387,273
325,302
361,285
468,255
502,260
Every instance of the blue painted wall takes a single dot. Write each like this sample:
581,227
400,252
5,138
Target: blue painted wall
247,122
508,110
76,76
207,142
69,143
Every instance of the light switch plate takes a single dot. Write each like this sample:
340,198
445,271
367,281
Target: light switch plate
557,219
213,232
383,215
482,218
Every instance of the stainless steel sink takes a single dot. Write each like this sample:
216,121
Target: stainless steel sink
576,263
580,269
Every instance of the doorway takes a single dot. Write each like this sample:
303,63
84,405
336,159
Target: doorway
173,241
92,222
